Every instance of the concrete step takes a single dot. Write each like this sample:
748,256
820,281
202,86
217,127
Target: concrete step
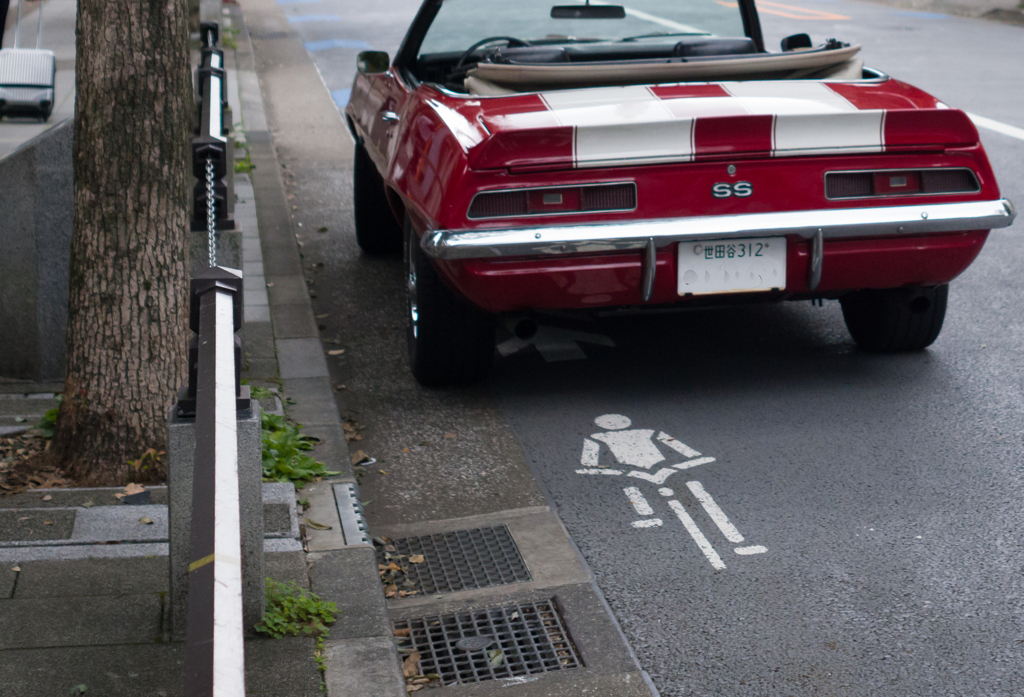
33,405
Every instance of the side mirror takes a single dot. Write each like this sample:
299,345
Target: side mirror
373,62
797,41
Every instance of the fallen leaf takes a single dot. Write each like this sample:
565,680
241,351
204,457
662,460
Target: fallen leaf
394,567
359,456
336,352
450,435
145,520
87,504
497,657
416,559
20,419
133,488
410,666
270,285
398,632
323,315
25,518
390,591
413,688
18,568
339,387
390,548
405,450
47,522
420,681
383,471
317,526
47,498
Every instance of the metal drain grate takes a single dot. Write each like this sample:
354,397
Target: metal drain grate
461,560
490,644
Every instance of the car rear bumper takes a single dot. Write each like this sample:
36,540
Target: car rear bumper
617,279
829,224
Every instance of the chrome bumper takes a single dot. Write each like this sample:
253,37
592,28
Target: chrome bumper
635,235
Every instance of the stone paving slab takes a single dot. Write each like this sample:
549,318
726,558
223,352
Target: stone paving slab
69,498
348,577
122,523
153,670
34,525
35,623
301,358
91,577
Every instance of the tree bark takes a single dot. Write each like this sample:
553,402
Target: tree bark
128,301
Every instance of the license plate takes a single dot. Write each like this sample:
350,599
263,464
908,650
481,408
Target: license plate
740,265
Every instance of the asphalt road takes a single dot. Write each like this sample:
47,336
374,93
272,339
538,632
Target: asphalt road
884,490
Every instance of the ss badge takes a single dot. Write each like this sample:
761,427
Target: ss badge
725,189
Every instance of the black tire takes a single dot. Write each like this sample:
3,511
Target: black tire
450,341
898,319
377,231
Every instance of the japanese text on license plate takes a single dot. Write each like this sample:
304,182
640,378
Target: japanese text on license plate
740,265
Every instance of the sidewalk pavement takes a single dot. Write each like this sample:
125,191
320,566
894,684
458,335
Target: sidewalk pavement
83,579
58,36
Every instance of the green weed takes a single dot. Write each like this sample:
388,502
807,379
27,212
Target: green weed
284,448
291,611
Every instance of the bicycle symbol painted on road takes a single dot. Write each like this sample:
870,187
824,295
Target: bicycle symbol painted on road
638,448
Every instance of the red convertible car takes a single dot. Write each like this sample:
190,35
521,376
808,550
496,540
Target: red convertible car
533,157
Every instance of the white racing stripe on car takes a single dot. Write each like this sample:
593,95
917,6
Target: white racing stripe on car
997,126
621,125
667,141
780,97
816,134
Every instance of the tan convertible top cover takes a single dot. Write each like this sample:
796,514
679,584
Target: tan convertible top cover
525,77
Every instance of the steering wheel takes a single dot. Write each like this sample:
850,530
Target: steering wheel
511,41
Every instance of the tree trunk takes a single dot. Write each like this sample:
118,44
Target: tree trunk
128,301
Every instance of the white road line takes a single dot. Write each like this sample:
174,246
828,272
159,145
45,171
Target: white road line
658,477
649,523
756,549
590,453
693,463
997,126
697,535
665,491
716,513
638,501
597,471
681,448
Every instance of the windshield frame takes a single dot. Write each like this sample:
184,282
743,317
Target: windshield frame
410,48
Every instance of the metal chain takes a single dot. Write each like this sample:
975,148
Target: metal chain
211,228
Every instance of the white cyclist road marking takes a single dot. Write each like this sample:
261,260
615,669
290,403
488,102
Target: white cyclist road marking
665,491
658,477
649,523
756,549
590,452
693,463
638,501
697,535
681,448
716,513
997,126
598,471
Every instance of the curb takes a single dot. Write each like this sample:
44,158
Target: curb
361,655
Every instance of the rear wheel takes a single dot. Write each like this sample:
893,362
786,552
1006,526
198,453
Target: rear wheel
898,319
450,341
377,231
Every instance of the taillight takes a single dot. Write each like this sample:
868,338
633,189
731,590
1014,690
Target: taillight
840,185
554,200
